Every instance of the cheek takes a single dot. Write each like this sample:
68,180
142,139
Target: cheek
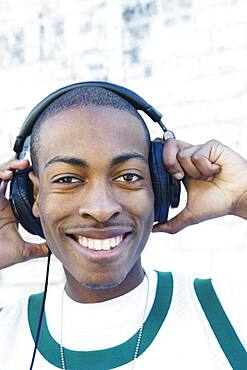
53,210
56,206
145,212
145,207
52,214
141,205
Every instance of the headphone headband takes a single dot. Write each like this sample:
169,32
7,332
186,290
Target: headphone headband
129,95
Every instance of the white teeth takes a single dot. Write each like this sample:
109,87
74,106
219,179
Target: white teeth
89,243
106,245
100,244
113,242
84,241
97,245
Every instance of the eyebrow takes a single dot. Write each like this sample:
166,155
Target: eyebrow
84,164
127,156
68,160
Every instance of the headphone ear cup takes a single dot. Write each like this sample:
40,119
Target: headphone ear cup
21,201
159,181
166,188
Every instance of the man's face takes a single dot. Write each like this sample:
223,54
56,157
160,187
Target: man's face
94,193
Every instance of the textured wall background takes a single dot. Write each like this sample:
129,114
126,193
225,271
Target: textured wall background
187,57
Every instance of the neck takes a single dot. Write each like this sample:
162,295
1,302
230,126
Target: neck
85,294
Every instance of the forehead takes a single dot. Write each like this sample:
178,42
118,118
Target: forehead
91,131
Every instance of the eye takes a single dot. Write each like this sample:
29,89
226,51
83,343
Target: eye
67,180
128,178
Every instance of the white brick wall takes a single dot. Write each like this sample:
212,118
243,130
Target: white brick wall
187,57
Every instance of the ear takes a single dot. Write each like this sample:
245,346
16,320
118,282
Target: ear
35,182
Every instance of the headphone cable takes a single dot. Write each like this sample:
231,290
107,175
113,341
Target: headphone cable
42,309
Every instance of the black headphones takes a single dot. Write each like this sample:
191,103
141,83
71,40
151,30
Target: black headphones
166,188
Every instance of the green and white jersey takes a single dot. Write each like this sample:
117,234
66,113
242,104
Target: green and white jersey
103,336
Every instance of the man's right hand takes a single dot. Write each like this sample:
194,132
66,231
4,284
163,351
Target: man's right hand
13,248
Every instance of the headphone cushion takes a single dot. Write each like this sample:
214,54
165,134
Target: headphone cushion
160,181
21,201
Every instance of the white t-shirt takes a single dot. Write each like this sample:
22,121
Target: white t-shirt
103,336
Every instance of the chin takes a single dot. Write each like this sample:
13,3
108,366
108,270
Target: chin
100,282
101,286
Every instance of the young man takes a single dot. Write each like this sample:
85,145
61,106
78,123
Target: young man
93,194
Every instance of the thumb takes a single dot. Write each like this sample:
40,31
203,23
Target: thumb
33,250
177,223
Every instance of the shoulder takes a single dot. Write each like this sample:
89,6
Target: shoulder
12,320
14,310
18,312
181,284
15,318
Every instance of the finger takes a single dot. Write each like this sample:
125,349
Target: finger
15,164
204,165
3,187
201,159
185,159
170,150
6,169
177,223
19,164
5,174
32,250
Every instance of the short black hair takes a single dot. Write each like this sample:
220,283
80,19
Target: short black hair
80,97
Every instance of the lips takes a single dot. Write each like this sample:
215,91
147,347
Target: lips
99,239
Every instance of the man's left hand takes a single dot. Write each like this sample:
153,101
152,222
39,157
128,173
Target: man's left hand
214,176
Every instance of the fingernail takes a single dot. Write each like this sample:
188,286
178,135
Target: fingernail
210,178
178,175
216,168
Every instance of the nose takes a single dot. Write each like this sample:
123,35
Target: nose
100,203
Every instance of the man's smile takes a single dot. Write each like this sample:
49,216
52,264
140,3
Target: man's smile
101,250
100,239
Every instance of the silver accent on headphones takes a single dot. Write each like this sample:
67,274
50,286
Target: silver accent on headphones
168,134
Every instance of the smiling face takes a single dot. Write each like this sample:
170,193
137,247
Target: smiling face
94,196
